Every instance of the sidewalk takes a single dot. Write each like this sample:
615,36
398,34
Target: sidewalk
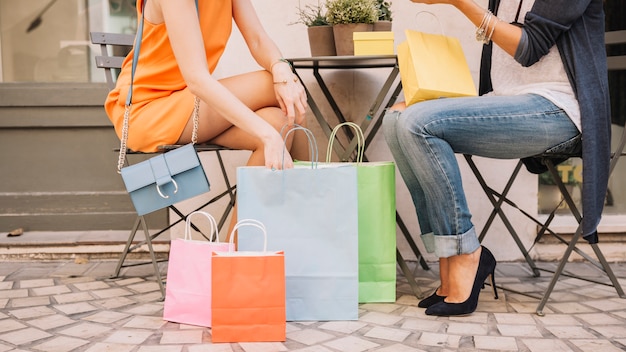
65,306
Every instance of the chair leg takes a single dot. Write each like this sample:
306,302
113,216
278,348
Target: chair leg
497,209
558,271
409,239
131,237
409,275
155,263
608,270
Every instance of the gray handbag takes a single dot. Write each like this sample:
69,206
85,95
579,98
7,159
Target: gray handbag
165,179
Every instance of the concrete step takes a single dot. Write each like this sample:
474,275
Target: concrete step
77,244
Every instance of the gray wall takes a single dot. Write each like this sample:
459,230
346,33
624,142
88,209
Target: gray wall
57,161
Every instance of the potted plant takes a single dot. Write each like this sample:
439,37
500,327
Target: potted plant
347,17
320,32
383,23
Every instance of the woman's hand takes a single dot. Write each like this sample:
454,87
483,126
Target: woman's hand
289,92
276,155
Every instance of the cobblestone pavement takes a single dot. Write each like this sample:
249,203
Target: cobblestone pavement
65,306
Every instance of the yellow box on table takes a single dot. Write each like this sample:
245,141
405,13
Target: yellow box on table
373,43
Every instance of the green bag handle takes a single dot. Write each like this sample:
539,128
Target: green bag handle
360,138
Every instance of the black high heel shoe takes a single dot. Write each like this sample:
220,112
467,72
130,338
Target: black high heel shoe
486,267
430,300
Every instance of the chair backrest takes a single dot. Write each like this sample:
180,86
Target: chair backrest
616,62
113,50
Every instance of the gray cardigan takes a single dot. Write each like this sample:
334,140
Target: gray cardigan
577,28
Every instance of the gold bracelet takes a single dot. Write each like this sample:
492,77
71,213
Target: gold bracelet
279,61
284,81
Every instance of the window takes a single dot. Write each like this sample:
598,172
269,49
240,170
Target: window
48,40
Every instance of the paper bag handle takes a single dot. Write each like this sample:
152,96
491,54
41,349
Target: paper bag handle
212,221
313,150
248,222
360,138
435,16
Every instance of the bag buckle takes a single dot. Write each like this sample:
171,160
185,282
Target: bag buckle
166,196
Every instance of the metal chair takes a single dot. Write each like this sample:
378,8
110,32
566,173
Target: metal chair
549,159
114,48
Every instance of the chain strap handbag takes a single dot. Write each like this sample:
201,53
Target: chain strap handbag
165,179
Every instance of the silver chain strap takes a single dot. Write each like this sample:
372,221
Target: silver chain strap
122,157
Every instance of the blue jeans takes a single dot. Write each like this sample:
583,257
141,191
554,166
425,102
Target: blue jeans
425,137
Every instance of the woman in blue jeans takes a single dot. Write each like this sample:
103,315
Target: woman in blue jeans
535,95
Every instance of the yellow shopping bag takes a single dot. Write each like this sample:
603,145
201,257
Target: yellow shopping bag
433,66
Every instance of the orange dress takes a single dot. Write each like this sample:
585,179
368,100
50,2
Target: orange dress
162,103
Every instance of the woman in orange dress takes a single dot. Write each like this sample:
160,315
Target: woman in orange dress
182,43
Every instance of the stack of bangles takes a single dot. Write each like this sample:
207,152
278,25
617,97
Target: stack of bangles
483,32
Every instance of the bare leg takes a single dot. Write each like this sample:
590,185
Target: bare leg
256,91
444,288
461,275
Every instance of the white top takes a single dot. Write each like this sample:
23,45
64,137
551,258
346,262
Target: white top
547,77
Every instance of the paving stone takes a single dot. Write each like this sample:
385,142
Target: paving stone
594,345
6,285
145,309
519,330
346,327
51,290
106,317
385,333
173,348
85,330
467,329
570,332
51,322
111,292
129,336
108,347
309,336
34,312
13,293
611,331
91,285
113,303
182,336
351,344
36,283
24,336
145,322
263,347
61,344
543,345
439,340
10,325
73,297
423,325
380,318
495,343
30,302
75,308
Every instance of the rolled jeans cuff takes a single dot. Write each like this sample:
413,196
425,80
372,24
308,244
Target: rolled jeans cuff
451,245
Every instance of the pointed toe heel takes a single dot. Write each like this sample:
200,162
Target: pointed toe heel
486,267
431,300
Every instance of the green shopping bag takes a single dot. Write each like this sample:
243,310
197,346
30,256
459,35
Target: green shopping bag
376,189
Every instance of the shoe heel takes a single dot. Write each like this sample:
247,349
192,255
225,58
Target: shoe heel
493,285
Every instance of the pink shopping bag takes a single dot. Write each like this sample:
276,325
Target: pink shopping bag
188,287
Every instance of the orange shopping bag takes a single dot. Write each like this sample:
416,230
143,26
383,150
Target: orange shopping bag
248,300
433,66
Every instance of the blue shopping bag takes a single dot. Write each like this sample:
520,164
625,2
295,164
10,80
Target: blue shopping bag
310,212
